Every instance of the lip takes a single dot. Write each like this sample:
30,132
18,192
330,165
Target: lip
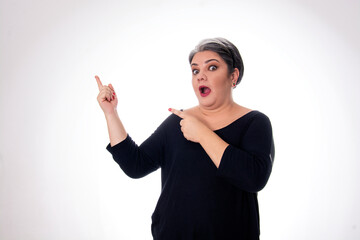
202,94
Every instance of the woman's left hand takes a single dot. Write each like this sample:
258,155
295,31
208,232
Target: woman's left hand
192,128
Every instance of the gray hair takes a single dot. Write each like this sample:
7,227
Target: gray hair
226,50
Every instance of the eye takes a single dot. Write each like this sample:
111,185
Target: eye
195,71
212,68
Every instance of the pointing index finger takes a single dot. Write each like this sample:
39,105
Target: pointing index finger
98,82
177,112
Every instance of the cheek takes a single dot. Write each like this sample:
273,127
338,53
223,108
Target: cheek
194,85
221,84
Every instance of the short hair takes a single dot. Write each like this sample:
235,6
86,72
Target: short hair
226,50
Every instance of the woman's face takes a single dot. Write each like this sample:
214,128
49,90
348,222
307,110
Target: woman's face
211,80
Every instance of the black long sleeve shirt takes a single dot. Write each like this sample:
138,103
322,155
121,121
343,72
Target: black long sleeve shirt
199,200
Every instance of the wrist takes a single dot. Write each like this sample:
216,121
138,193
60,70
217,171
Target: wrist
204,134
112,114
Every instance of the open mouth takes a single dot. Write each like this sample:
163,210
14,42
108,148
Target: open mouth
204,91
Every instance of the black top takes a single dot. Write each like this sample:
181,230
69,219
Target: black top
199,200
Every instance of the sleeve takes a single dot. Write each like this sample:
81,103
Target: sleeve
138,161
249,167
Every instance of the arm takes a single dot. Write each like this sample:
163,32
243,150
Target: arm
138,161
108,102
248,167
195,131
117,132
213,145
135,161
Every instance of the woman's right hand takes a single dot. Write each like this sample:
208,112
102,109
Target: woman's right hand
107,98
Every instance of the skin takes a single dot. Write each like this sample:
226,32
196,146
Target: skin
213,112
108,102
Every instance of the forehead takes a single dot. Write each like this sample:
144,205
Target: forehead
203,56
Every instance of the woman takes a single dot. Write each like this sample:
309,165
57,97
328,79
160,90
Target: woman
214,157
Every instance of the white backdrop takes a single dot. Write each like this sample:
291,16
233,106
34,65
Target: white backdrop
302,68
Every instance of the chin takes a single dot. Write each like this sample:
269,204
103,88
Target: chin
205,102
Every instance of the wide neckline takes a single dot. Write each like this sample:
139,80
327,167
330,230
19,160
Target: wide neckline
236,120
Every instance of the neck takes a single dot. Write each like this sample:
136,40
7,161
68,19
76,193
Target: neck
210,112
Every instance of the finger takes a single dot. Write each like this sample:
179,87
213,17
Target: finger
106,90
111,87
98,82
108,97
177,112
105,94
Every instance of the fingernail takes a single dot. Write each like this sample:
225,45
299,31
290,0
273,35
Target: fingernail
169,109
113,93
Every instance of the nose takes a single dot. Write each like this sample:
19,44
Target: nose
201,77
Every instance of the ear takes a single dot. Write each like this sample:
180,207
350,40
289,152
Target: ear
235,74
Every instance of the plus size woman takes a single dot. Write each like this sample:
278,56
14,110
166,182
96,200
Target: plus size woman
214,157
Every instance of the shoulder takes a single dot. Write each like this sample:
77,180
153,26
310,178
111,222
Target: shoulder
168,127
249,114
258,120
170,121
256,114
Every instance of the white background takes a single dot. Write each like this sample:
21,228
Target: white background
302,68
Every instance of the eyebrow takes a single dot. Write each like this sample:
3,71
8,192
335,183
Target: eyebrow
207,61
